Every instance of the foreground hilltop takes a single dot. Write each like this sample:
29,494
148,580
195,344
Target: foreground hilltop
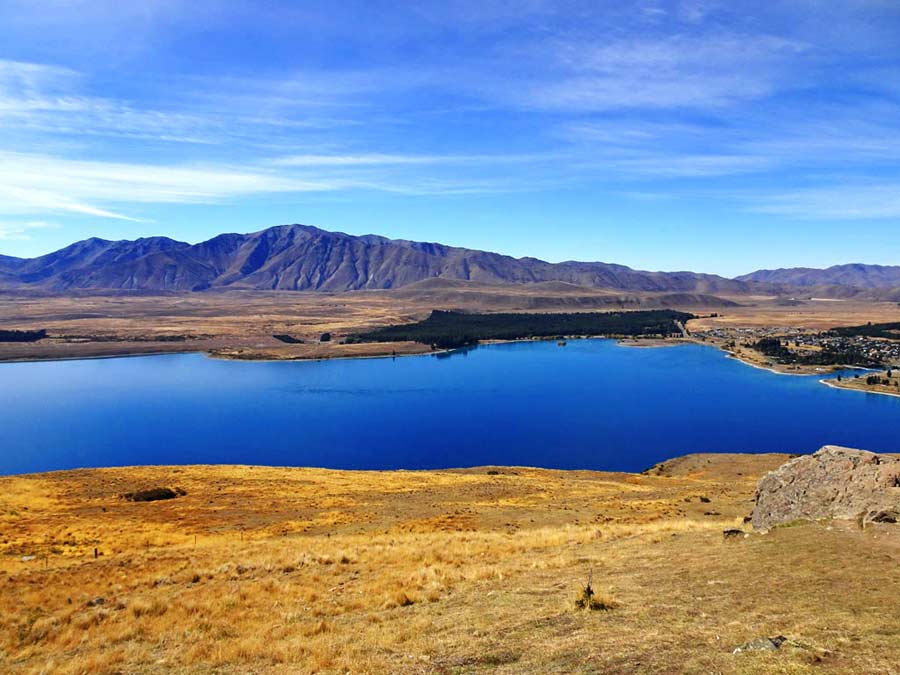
272,570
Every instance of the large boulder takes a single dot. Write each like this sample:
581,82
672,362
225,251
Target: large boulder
834,482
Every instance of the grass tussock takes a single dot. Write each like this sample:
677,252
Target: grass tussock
591,600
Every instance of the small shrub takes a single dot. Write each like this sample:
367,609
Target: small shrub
399,599
593,602
154,494
143,607
288,339
500,658
317,628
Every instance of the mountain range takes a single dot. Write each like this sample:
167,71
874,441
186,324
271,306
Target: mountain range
305,258
855,274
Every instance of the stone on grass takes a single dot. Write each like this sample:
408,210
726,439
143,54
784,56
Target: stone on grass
834,482
763,644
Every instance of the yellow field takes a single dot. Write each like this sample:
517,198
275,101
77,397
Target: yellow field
242,324
298,570
765,312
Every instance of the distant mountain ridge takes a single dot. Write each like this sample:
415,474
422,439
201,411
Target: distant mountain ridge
301,257
305,258
857,275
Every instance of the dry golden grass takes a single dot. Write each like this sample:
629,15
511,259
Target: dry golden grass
235,324
764,312
241,323
298,570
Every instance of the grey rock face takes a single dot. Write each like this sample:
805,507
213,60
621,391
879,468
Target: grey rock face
834,482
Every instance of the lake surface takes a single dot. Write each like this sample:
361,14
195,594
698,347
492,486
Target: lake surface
592,404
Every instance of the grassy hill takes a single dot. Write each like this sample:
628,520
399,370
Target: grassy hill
271,570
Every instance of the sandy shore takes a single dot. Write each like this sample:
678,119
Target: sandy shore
834,384
648,343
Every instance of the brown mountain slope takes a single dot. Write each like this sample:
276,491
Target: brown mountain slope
856,274
300,257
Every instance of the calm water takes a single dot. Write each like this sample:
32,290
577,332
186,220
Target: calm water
592,404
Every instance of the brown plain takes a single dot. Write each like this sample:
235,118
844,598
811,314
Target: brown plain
241,324
764,312
269,570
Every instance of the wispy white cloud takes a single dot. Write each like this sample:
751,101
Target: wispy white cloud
677,53
861,134
694,11
628,132
836,202
47,99
39,183
20,231
692,166
31,80
17,199
383,159
373,159
678,71
831,139
31,183
653,98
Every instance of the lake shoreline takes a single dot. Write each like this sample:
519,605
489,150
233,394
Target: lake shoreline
836,385
390,351
651,343
387,350
371,413
98,357
656,469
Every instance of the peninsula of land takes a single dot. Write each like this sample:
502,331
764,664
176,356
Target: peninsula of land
251,325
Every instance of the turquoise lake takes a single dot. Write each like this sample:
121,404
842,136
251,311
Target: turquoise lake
592,404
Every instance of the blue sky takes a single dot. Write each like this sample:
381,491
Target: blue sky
714,136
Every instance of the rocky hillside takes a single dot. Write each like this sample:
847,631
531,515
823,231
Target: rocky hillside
300,257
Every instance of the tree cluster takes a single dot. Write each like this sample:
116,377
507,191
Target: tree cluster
850,356
447,330
22,335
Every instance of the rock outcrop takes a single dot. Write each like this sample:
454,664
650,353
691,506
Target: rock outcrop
834,482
